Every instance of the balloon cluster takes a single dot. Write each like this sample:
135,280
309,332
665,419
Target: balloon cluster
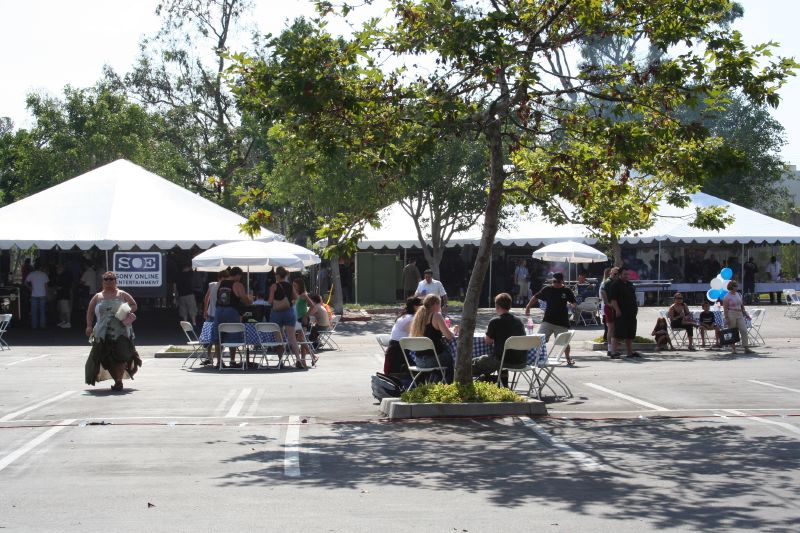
719,284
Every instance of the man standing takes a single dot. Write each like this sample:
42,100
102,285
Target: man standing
749,270
622,295
608,311
556,316
774,271
37,283
500,328
522,281
431,286
187,304
411,278
64,296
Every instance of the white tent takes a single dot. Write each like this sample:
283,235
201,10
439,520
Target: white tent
525,229
119,204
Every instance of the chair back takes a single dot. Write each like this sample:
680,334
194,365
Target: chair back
271,328
334,322
383,341
756,317
188,330
560,343
417,344
524,343
231,327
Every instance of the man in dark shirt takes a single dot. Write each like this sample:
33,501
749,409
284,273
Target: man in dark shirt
622,295
501,327
187,304
556,316
749,270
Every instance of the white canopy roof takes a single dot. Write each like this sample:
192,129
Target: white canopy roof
522,229
119,204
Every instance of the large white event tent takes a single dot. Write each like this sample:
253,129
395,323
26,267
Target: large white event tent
530,229
119,205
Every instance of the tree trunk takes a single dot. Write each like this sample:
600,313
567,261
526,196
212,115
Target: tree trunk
336,279
463,365
616,250
433,256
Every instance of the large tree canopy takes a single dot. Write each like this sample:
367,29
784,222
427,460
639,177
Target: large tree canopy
603,137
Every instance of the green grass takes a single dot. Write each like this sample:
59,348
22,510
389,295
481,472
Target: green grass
478,392
637,340
175,349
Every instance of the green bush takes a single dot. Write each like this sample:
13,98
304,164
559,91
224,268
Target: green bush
479,392
637,340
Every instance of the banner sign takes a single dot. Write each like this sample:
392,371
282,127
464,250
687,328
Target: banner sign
138,269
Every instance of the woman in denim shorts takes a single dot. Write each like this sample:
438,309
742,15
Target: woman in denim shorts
281,298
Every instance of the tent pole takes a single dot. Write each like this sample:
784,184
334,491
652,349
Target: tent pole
658,266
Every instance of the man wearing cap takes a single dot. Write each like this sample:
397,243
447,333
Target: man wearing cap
431,286
556,316
622,297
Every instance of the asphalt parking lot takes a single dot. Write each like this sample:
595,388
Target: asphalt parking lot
678,441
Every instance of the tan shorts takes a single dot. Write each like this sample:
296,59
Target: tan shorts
547,329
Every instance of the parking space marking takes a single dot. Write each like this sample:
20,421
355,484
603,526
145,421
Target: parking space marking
772,385
15,414
291,446
239,403
254,405
224,402
784,425
586,461
33,443
29,359
627,397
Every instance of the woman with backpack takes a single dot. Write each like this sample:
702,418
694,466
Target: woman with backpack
281,299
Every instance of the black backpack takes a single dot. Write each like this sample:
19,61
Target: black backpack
384,386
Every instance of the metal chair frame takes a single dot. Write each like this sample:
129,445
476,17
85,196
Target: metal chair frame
546,371
520,342
326,335
263,346
198,348
418,344
5,320
233,327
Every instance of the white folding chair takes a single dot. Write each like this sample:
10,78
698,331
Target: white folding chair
419,344
524,343
546,371
303,341
587,311
677,336
326,336
270,337
198,350
792,303
230,329
5,320
754,329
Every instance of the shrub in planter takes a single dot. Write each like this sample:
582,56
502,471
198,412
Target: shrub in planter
479,392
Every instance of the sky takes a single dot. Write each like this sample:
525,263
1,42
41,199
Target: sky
48,44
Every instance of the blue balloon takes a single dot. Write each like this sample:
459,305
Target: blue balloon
711,295
720,293
726,273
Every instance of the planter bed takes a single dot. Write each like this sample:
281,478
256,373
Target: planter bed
394,408
637,346
163,353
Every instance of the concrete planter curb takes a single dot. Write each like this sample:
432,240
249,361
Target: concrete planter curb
394,408
602,347
164,354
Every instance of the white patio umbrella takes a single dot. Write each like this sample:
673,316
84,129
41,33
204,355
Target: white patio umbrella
570,252
253,256
307,256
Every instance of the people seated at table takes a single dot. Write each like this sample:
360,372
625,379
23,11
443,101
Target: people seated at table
429,322
282,298
680,317
735,315
708,322
584,288
321,319
661,334
394,364
556,316
231,300
500,328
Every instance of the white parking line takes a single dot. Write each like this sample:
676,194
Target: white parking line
254,404
586,461
221,406
787,427
15,414
29,359
627,397
291,446
31,444
239,403
772,385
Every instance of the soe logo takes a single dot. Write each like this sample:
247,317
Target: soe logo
138,262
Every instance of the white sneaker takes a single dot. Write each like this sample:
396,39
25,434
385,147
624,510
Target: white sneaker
64,325
60,324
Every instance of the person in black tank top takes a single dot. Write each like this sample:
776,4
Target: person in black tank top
429,322
231,297
281,297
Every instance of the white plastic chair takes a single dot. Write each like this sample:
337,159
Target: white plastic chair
418,344
792,303
198,350
303,341
754,329
236,328
274,330
546,371
5,320
326,335
524,343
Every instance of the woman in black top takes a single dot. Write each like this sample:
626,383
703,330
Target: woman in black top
428,322
282,298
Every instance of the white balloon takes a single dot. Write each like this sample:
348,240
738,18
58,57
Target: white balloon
717,283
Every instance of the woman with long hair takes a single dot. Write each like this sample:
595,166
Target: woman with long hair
303,303
281,299
429,322
394,363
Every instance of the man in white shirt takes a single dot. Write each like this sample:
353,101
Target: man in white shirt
37,283
431,286
774,271
521,281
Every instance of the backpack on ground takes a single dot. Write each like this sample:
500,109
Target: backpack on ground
384,386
